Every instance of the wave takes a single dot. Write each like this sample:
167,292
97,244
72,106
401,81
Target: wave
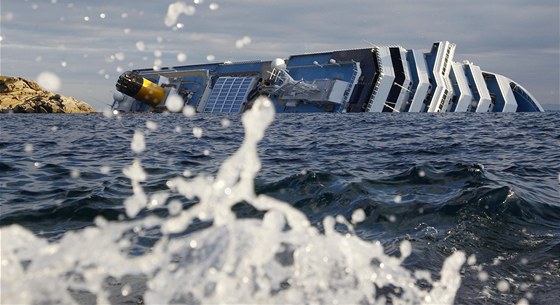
437,190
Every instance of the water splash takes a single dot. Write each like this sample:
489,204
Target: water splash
175,10
279,258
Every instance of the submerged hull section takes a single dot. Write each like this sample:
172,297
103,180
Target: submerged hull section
374,79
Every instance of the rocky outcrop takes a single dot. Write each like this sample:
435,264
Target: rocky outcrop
19,95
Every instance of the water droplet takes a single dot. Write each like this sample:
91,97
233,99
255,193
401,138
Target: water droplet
210,57
197,132
75,173
119,56
214,6
471,260
174,10
523,302
189,111
49,81
28,148
174,103
405,248
125,290
9,16
151,125
140,46
358,216
138,144
181,57
243,42
226,123
174,207
105,169
502,286
158,62
102,15
397,199
86,18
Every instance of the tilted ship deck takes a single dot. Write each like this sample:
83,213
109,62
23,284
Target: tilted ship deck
374,79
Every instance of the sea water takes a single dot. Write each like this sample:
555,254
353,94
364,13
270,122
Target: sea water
277,208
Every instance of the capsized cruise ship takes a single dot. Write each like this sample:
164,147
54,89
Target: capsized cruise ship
373,79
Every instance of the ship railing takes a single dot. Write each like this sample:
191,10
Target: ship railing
379,79
374,92
353,80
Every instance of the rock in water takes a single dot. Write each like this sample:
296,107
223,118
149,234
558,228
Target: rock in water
25,96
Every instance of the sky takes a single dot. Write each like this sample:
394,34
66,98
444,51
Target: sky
88,44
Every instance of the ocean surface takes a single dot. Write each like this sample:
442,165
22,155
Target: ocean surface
420,187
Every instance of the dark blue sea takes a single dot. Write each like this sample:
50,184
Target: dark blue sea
486,185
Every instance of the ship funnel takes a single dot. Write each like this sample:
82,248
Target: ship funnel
140,88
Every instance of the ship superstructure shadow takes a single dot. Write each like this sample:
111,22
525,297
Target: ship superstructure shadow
374,79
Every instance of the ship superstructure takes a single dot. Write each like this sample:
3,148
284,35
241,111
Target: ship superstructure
373,79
